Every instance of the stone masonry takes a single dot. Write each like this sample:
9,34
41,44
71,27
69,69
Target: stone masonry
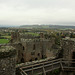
68,46
7,60
32,49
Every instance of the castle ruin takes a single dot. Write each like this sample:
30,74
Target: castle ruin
35,48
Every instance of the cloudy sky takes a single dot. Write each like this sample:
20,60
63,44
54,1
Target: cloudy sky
22,12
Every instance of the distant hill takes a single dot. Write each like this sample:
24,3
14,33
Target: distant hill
7,26
48,26
39,26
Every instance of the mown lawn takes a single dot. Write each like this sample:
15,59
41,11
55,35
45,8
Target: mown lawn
4,41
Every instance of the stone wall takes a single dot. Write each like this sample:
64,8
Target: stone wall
7,60
15,36
68,47
33,49
29,49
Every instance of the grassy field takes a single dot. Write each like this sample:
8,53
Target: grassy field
4,41
8,37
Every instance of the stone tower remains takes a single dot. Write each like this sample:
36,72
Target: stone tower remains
15,36
7,60
41,35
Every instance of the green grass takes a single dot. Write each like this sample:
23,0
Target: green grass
8,37
4,41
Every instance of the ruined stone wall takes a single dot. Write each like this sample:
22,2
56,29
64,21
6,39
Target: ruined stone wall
36,49
27,36
49,50
7,60
20,48
26,50
15,37
68,48
33,50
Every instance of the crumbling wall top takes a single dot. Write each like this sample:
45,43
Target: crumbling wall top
70,39
7,51
34,40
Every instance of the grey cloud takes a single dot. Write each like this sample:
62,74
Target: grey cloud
37,11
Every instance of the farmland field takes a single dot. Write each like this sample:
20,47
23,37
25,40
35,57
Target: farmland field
8,37
4,41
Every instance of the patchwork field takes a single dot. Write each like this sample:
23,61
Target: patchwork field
4,41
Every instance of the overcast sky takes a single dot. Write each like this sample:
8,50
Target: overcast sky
22,12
